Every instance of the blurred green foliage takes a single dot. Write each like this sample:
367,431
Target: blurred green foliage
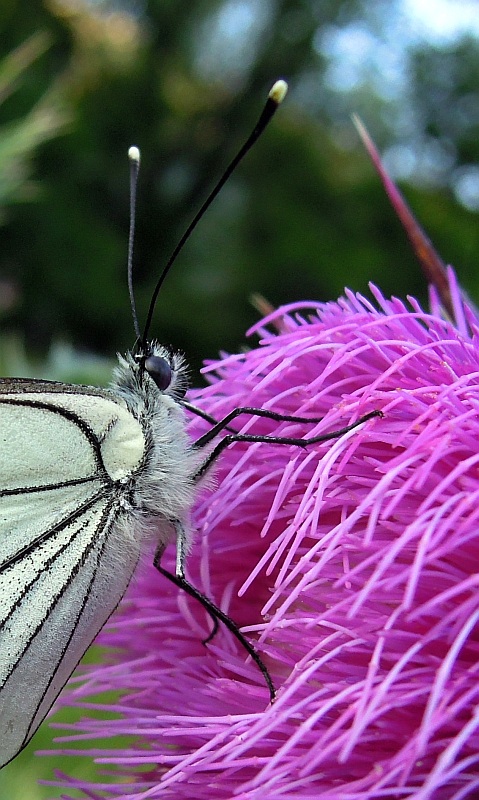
21,136
303,216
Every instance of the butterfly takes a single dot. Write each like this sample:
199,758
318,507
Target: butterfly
87,477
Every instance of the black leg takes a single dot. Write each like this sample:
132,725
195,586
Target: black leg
180,568
230,438
198,412
178,578
220,425
216,614
223,424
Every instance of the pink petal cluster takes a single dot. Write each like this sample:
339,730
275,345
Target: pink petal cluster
352,564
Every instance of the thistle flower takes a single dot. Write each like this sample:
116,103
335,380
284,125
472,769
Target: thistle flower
351,564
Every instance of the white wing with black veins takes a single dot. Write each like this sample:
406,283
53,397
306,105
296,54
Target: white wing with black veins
68,459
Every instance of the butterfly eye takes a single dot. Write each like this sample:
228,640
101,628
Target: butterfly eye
159,370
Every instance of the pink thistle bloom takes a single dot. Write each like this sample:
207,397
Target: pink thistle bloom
352,565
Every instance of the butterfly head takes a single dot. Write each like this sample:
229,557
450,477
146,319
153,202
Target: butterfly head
165,367
154,371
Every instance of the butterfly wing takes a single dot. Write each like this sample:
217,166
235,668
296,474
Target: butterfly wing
65,460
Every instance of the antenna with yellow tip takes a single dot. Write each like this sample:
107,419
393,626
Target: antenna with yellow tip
276,96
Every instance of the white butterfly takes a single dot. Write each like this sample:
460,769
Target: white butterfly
83,472
86,476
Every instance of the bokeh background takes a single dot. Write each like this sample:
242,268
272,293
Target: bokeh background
303,216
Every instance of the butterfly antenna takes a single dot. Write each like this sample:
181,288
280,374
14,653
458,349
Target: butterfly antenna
134,156
275,97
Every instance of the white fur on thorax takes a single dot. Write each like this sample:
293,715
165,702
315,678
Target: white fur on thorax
164,489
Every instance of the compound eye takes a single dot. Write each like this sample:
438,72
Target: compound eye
159,370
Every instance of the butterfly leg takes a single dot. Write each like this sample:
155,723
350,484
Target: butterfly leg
179,579
214,611
230,438
223,424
